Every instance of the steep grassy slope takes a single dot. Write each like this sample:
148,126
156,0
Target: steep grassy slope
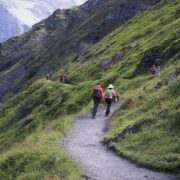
31,125
33,119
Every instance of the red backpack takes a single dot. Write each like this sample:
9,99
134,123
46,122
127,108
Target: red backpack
96,92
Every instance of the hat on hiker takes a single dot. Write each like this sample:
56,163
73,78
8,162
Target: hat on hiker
110,86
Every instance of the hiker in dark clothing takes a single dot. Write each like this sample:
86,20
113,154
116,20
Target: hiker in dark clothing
50,76
61,78
47,76
97,94
110,96
65,78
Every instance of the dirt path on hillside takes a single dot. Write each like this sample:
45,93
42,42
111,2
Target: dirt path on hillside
84,144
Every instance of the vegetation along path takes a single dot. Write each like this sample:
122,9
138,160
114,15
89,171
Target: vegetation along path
85,145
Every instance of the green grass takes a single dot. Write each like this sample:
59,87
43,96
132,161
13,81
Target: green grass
39,157
30,133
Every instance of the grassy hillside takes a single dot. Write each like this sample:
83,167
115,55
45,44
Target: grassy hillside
157,40
33,120
31,124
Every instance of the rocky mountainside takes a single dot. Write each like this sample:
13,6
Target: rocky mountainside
65,31
17,17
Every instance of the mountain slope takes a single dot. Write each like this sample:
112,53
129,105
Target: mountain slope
77,30
33,118
24,14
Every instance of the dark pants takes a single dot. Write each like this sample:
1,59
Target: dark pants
108,102
96,104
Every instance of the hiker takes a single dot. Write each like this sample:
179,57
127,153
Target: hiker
110,96
50,76
65,78
47,76
158,70
153,69
97,95
62,78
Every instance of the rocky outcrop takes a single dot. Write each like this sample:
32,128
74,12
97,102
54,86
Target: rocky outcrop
150,57
108,62
84,46
112,17
131,129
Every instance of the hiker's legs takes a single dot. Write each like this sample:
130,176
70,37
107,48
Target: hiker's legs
108,102
96,104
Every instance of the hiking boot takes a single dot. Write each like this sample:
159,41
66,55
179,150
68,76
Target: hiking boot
93,117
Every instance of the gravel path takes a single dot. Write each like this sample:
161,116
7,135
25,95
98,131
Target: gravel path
84,144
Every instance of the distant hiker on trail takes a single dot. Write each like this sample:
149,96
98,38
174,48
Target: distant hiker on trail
158,70
47,76
61,78
110,96
65,78
153,69
50,76
97,95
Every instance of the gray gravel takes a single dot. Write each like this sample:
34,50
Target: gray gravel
84,144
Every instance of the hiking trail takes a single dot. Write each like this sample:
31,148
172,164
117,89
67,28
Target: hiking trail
84,144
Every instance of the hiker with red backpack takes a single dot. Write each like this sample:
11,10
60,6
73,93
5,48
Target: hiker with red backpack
97,95
109,96
61,78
